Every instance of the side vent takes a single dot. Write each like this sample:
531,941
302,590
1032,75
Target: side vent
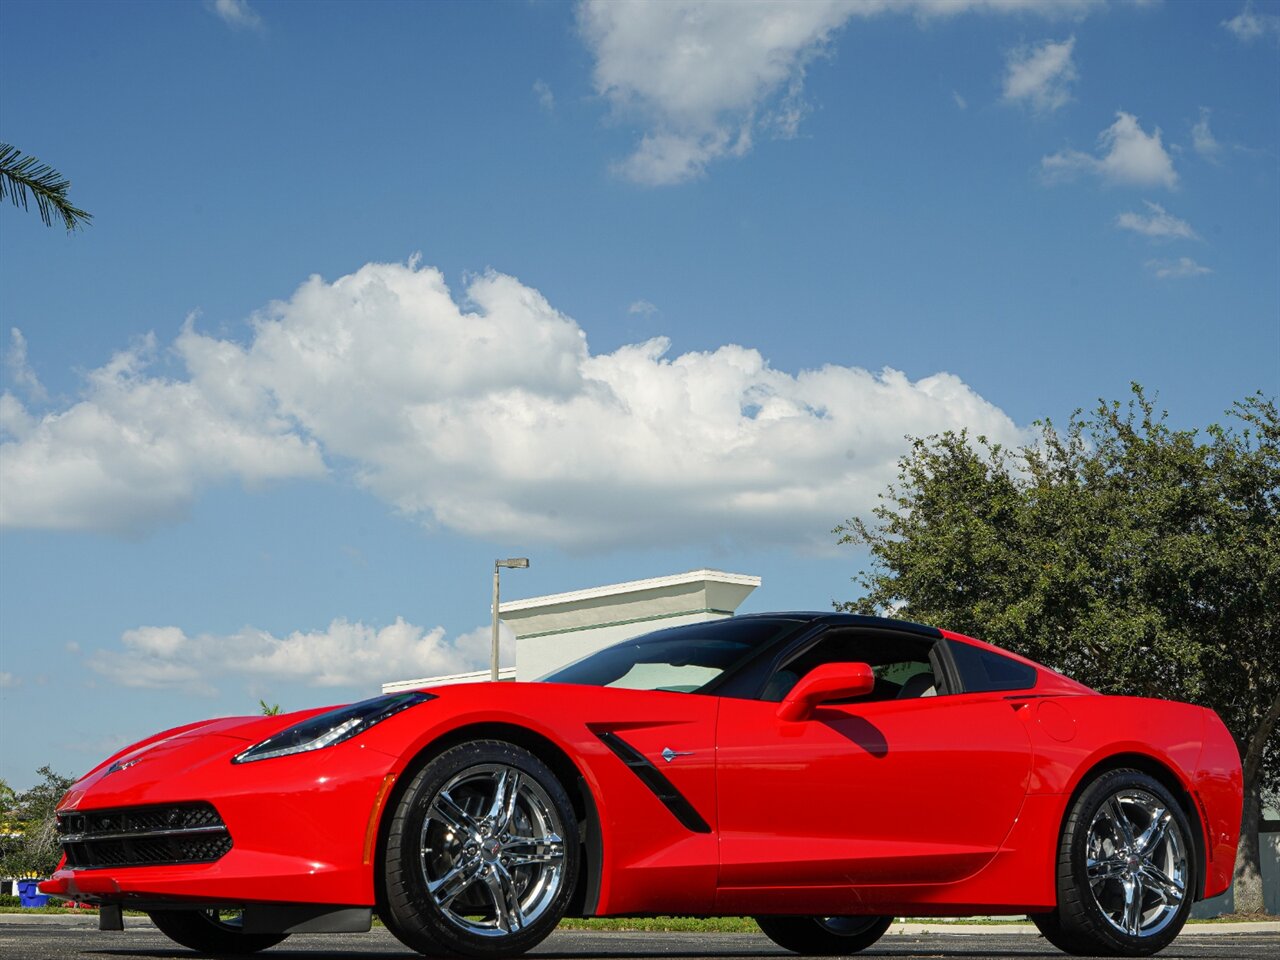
654,779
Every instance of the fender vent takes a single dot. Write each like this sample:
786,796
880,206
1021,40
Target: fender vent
655,780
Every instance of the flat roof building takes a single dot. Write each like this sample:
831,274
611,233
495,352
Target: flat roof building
558,629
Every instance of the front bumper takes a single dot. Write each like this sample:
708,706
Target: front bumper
297,827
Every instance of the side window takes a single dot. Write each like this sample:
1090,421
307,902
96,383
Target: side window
983,670
903,665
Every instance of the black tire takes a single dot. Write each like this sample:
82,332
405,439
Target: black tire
1126,870
1051,929
824,936
212,931
481,854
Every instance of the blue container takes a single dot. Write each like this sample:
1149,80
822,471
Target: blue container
29,895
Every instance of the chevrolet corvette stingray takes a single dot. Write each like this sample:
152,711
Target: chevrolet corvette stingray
820,772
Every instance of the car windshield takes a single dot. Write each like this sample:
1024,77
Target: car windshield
682,659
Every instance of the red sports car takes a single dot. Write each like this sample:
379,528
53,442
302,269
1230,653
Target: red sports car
821,772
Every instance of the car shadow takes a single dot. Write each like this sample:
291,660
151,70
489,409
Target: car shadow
856,730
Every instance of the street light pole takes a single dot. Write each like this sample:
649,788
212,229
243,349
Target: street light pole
511,563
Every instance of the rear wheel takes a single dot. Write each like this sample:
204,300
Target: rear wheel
212,931
824,936
481,854
1126,865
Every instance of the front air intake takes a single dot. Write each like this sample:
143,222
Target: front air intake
143,836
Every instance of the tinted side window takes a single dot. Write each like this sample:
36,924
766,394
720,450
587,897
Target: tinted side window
982,670
902,664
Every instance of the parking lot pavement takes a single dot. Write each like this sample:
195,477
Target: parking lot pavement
81,939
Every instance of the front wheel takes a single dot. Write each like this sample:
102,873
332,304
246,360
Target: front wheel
212,931
1126,865
481,854
824,936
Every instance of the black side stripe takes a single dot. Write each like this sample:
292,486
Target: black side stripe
653,778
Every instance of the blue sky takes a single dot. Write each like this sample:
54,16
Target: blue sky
376,293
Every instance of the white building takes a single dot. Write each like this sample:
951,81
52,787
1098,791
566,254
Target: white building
558,629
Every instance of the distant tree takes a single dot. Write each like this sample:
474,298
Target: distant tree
20,175
10,829
34,852
269,709
1136,558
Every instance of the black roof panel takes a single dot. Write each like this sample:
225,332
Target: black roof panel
851,620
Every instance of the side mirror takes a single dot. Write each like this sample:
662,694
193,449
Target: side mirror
823,684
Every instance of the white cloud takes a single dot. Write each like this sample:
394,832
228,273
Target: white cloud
20,372
546,98
1176,269
8,681
960,101
134,452
643,308
702,79
1249,25
1127,155
1202,138
237,14
489,416
344,654
1040,75
1157,223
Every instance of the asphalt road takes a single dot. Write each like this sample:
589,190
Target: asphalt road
33,941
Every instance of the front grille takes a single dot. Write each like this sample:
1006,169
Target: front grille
143,836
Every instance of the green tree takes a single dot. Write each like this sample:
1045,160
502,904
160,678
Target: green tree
1136,558
20,175
269,709
35,851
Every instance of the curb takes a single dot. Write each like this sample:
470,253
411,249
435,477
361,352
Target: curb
87,919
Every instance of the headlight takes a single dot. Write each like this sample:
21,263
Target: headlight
326,729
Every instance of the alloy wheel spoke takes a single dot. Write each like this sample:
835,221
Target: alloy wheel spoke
1164,886
506,899
1151,837
521,851
1133,906
506,790
445,890
445,809
1122,824
1106,869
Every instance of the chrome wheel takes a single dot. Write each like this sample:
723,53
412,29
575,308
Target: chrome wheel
847,926
824,936
492,850
215,931
1136,862
231,921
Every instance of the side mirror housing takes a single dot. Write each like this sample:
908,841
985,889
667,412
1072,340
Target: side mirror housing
823,684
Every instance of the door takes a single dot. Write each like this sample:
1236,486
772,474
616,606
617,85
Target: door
910,785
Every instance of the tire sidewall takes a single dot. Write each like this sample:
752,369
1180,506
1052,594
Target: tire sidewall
420,922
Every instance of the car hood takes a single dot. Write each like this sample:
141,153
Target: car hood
164,755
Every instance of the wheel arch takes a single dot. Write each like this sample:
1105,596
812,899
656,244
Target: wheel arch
590,836
1167,777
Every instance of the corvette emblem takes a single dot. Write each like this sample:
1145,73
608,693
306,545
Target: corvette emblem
668,754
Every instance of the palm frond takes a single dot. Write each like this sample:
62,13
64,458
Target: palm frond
20,175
